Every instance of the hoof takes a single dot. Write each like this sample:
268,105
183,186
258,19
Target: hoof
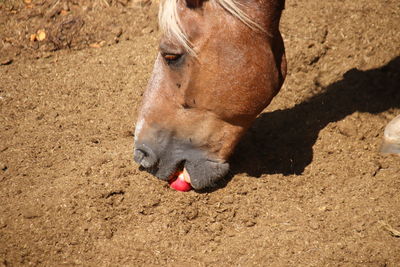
391,137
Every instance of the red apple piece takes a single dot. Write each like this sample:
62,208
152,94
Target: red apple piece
181,182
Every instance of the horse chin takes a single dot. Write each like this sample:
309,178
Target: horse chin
200,172
164,160
204,172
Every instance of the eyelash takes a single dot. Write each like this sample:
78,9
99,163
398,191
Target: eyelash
171,58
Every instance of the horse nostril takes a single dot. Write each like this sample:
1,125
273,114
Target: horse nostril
145,157
139,155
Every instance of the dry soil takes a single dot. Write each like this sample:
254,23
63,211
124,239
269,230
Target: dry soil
307,187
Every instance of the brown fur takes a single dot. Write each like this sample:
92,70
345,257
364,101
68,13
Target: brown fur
212,98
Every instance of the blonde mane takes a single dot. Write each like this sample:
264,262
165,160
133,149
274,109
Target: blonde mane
170,23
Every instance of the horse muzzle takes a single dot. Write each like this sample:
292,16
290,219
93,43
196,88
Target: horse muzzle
166,156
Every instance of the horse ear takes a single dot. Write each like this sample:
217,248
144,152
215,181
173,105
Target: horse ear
194,3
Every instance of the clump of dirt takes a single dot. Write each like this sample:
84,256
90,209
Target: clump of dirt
35,27
307,187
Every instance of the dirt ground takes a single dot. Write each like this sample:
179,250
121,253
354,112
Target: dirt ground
307,185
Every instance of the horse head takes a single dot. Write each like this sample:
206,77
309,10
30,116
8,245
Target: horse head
220,63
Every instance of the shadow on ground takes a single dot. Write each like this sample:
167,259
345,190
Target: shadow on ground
282,141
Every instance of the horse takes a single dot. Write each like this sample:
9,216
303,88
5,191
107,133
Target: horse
391,137
220,63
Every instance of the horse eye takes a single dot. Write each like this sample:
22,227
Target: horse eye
171,58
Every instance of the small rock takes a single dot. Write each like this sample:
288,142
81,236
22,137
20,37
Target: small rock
191,213
250,223
41,35
341,245
3,166
324,208
216,227
108,233
95,140
40,116
31,213
118,33
184,229
147,30
7,61
347,128
3,224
